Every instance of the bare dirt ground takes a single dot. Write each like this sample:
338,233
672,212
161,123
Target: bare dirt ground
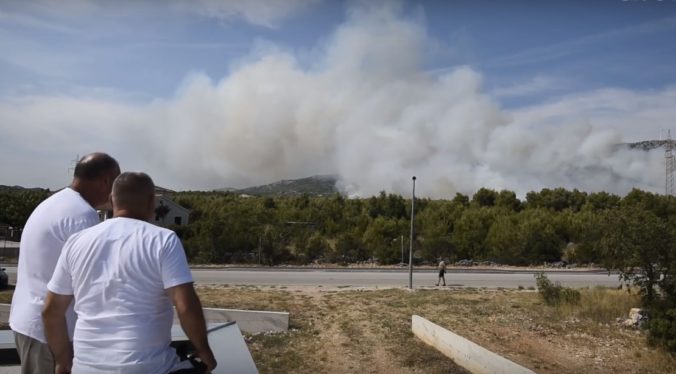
347,330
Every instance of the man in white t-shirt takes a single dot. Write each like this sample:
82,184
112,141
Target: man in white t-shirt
124,275
51,223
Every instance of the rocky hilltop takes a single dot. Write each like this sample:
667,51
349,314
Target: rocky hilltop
649,145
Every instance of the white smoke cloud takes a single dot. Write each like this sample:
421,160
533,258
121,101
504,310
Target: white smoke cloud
366,111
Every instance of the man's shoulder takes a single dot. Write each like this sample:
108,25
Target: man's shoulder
63,213
68,204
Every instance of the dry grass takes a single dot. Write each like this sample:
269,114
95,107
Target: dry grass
6,295
349,331
369,331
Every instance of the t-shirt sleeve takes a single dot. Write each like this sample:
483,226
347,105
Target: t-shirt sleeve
175,270
62,281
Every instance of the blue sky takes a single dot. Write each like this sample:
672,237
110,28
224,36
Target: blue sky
607,64
527,50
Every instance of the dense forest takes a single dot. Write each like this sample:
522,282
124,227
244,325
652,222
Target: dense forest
547,226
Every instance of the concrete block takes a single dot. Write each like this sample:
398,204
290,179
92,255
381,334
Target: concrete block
463,352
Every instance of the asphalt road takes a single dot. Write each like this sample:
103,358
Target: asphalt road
387,278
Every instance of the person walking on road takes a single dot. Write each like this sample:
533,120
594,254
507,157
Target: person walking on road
64,213
125,277
442,272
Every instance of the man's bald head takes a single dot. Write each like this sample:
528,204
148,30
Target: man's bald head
93,177
133,195
96,165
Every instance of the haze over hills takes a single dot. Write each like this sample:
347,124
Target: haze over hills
323,185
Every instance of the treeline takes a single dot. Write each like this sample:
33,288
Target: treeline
548,226
17,204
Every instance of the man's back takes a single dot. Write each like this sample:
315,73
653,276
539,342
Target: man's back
46,230
118,272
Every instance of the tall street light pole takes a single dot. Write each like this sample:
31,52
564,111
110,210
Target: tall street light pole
402,249
410,252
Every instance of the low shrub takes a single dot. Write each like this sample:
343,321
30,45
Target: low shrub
662,328
553,293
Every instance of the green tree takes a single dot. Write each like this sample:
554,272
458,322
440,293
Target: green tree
507,199
435,227
641,246
485,197
539,240
379,237
503,241
470,232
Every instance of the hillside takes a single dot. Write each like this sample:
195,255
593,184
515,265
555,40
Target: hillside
318,185
19,188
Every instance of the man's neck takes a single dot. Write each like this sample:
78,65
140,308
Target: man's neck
81,188
125,213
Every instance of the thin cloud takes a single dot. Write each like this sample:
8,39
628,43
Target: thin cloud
537,85
569,47
266,13
25,20
637,115
39,58
192,45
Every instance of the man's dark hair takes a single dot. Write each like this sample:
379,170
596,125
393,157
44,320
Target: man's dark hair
132,190
94,165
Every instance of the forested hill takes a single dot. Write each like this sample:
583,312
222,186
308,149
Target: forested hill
318,185
19,188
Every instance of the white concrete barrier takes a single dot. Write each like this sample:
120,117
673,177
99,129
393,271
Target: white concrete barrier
465,353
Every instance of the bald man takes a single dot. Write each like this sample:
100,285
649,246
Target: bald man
47,229
124,276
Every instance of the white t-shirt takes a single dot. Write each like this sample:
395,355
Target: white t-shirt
46,230
117,272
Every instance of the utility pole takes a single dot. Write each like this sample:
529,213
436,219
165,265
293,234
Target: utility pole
73,163
402,249
669,158
410,252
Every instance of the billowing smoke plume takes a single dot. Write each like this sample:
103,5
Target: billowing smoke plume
368,111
